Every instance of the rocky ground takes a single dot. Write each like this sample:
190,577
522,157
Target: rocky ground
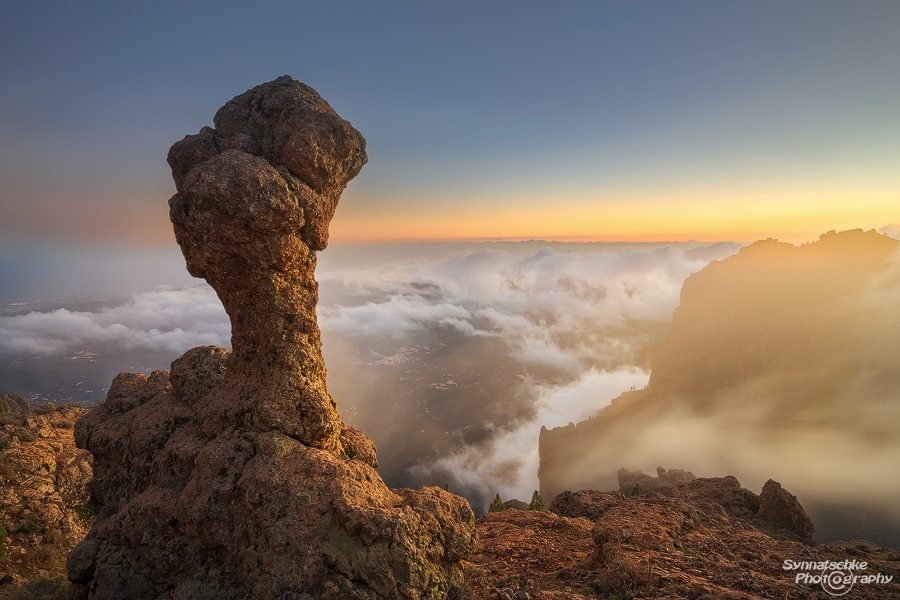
703,539
43,493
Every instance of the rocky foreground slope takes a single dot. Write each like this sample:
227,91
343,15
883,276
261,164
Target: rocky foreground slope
232,476
705,539
668,536
43,489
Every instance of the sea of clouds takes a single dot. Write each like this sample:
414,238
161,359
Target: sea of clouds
166,320
571,319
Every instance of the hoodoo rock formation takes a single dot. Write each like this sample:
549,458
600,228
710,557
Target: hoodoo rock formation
232,476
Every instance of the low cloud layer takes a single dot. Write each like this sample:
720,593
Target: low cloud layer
507,463
569,307
451,356
168,321
569,319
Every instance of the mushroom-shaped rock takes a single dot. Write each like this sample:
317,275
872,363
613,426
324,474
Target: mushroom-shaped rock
255,198
233,475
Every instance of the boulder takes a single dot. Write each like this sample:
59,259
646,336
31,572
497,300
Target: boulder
780,509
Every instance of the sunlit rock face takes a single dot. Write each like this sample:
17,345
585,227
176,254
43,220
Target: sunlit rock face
43,488
255,197
232,476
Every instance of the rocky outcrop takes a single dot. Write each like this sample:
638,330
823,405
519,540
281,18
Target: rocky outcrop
43,488
232,476
780,509
255,197
590,504
636,482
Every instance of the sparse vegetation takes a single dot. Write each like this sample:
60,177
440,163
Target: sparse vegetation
514,581
497,505
537,503
30,525
45,409
619,578
26,436
84,514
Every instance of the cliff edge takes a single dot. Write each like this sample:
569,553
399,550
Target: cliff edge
782,361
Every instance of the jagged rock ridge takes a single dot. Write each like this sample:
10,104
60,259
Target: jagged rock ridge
632,482
232,476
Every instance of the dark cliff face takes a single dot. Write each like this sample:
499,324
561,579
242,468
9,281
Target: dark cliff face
233,476
782,360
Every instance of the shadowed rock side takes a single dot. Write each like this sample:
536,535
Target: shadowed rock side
232,476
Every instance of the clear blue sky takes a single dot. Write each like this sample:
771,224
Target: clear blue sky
615,120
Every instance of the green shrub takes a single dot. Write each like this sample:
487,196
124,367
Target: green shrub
10,418
497,505
537,503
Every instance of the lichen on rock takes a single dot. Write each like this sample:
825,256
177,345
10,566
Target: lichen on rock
233,475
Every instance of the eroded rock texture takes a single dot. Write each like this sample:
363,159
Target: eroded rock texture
232,476
43,480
